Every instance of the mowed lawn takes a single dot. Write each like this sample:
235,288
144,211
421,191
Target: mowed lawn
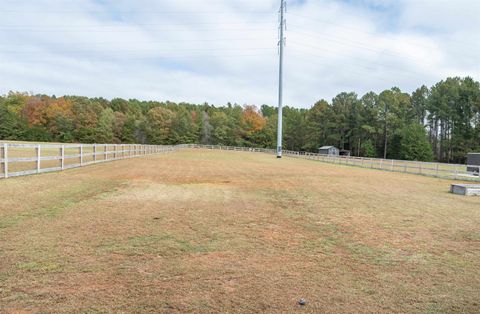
203,231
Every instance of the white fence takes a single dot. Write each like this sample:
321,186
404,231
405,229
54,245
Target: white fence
26,159
231,148
433,169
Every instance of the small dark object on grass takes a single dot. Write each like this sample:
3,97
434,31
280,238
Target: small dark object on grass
156,218
302,302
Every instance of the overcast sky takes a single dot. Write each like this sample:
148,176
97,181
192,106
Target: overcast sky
221,51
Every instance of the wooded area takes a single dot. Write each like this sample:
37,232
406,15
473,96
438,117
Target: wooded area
441,122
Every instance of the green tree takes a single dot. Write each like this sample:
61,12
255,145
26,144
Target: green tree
414,144
12,127
368,149
184,129
222,128
104,129
317,125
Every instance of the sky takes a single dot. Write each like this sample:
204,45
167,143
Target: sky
221,51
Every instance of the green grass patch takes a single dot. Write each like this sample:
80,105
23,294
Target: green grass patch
372,255
40,266
155,244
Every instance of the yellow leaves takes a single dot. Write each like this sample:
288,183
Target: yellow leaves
253,120
58,107
45,110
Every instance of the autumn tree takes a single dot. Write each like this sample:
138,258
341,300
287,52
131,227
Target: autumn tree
159,125
252,123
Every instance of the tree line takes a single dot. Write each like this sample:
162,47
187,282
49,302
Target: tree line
437,123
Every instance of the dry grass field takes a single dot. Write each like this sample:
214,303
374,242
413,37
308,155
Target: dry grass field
201,231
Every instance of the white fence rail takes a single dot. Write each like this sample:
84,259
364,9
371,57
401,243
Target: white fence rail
438,170
231,148
26,159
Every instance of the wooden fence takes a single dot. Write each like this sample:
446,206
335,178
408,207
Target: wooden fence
432,169
26,159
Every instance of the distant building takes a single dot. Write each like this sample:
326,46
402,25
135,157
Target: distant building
344,152
329,150
473,160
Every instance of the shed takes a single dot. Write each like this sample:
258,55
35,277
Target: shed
473,163
329,150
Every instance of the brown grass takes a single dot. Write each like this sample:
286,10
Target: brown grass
200,231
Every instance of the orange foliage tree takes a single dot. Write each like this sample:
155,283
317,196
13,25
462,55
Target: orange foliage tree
253,120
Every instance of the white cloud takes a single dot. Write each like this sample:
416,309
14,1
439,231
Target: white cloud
220,51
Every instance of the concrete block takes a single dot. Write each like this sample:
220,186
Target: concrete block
466,189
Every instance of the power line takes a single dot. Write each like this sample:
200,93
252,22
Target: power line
166,41
90,27
358,44
365,32
137,49
136,12
55,59
333,24
216,29
375,65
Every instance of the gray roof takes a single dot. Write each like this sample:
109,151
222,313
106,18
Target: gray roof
327,147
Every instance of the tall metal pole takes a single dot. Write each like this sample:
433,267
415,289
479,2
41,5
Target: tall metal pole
281,44
385,130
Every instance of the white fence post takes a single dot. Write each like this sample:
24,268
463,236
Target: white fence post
81,155
5,160
38,149
94,153
62,156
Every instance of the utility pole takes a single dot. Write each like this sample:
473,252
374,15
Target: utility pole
385,130
281,44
